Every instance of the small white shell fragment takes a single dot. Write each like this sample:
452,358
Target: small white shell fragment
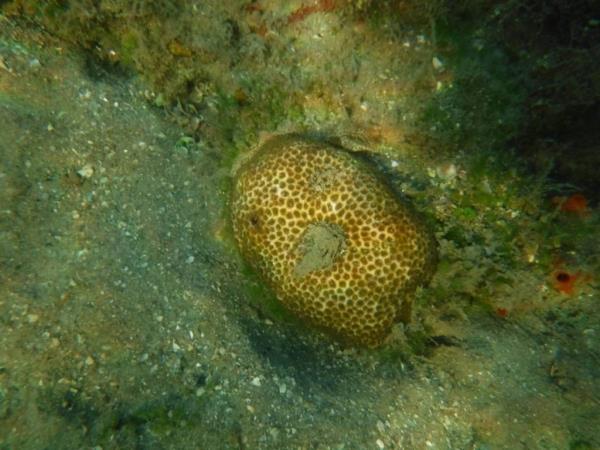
86,171
32,318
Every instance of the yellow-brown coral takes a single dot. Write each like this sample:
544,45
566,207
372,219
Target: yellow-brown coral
333,242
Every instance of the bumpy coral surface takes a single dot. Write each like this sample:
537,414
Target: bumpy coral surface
331,239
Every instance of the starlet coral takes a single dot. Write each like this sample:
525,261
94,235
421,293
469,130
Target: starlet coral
336,245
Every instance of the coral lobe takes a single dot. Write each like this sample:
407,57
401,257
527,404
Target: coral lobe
333,242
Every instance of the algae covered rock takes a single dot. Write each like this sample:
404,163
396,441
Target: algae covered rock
335,244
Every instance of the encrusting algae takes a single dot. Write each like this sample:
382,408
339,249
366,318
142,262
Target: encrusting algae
338,248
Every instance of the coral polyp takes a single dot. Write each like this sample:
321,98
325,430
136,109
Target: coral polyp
336,245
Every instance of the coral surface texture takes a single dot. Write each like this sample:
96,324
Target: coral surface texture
336,245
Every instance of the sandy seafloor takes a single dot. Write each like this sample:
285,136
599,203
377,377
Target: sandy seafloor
125,320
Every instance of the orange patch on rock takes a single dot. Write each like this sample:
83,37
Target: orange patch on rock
502,312
574,204
303,12
568,282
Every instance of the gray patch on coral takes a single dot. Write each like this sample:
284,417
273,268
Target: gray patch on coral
324,180
319,247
